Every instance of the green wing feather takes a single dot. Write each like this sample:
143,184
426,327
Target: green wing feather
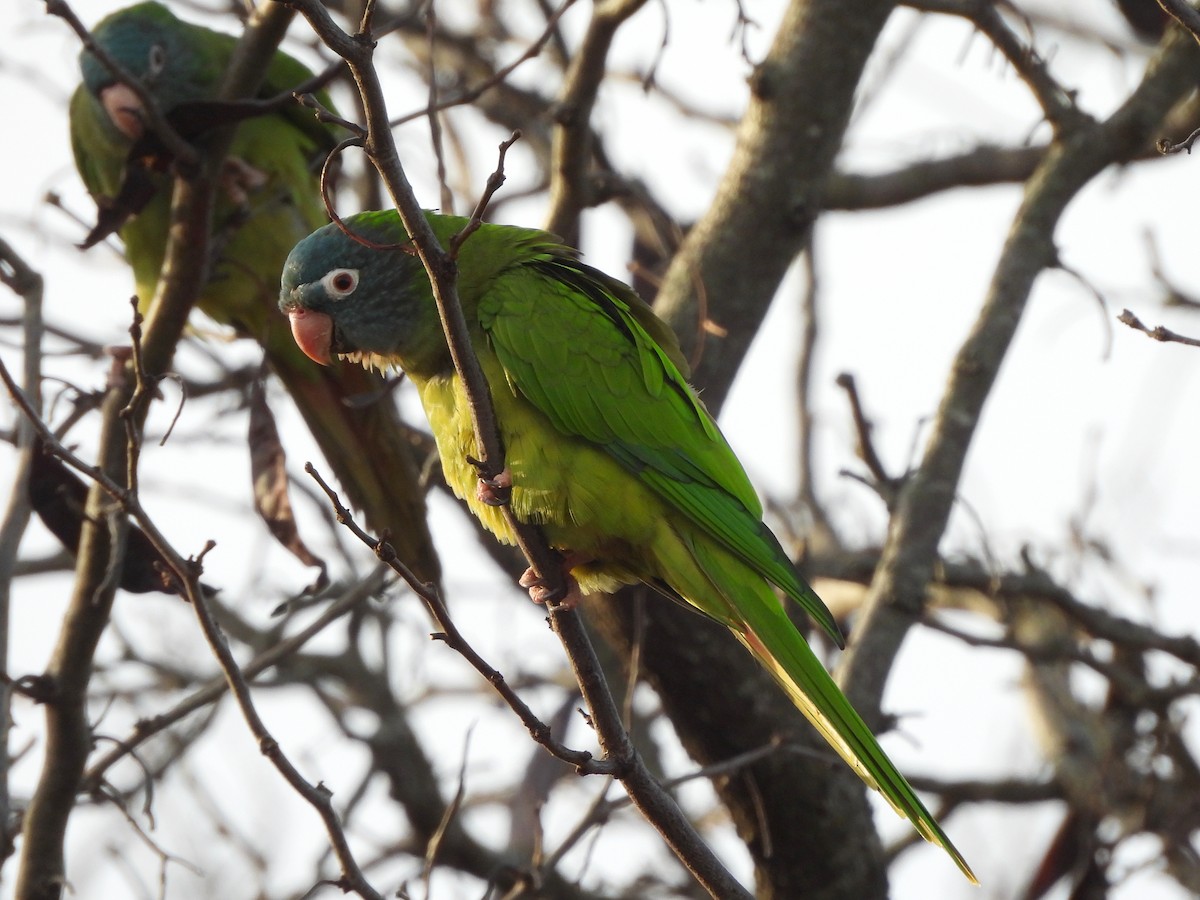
608,447
574,344
577,345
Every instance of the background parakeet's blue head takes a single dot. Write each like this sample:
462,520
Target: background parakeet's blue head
158,49
269,175
267,196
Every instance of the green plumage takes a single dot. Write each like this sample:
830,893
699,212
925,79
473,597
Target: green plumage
182,63
268,199
608,447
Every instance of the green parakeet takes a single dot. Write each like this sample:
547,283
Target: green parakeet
608,448
269,199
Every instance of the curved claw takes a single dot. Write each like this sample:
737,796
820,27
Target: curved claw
540,593
495,491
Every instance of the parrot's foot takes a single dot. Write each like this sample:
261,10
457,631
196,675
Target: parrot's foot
118,367
495,491
239,180
540,593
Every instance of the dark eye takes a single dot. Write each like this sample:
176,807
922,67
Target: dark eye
157,61
340,283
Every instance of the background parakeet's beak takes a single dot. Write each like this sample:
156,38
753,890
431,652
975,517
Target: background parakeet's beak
313,332
124,109
267,198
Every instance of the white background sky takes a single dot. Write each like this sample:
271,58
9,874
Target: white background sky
1085,408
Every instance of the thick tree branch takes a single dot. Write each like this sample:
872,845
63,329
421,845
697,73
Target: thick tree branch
571,151
732,261
68,740
898,591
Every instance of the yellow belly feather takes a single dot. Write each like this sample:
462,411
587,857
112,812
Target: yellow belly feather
585,501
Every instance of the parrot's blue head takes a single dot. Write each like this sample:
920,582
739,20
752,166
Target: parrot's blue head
155,47
370,304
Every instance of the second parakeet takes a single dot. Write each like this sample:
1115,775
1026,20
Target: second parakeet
268,199
607,446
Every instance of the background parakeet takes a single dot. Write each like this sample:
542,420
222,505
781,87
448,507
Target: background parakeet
269,199
609,449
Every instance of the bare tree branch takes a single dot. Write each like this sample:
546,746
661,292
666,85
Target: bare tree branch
898,590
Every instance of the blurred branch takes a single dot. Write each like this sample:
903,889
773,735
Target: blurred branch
68,738
819,535
493,80
1013,790
887,486
397,753
28,284
318,796
978,166
621,760
571,156
215,689
1058,104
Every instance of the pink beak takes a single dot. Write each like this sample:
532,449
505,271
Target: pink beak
313,332
124,108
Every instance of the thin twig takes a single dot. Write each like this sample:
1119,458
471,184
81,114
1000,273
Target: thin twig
1158,332
499,77
318,796
494,183
452,809
450,635
1057,104
881,481
620,758
215,689
435,122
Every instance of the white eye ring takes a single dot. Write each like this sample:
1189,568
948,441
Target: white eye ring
157,61
340,283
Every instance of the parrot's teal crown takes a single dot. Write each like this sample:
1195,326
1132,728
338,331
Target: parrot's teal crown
313,256
373,323
141,38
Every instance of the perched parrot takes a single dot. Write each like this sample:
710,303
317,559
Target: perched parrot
607,446
268,200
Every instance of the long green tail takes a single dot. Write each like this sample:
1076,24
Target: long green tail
724,587
776,644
